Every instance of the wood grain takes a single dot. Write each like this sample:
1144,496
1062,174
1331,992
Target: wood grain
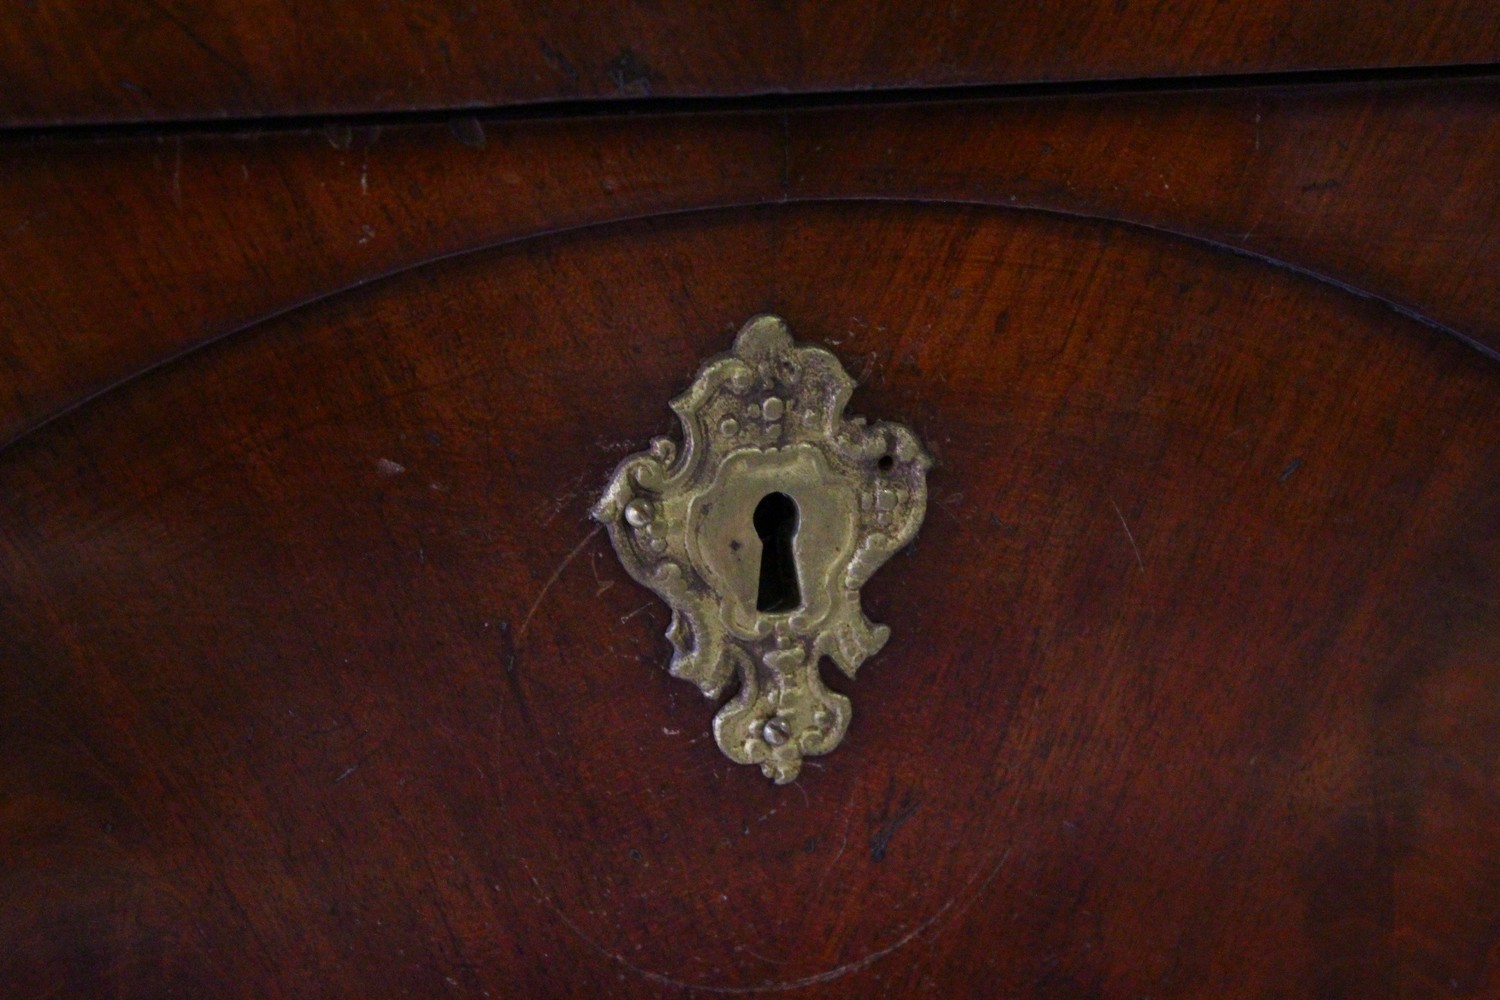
319,681
123,252
71,61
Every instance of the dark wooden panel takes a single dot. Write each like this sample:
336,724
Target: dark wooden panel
122,253
1388,190
76,61
318,679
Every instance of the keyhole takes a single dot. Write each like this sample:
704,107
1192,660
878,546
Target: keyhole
776,523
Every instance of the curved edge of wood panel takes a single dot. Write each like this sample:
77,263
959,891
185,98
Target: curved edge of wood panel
123,253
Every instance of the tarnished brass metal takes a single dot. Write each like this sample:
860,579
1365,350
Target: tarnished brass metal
759,533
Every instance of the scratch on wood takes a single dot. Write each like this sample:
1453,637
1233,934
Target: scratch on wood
469,131
881,840
965,897
603,583
757,955
947,503
848,816
1129,537
526,622
558,504
359,763
637,611
339,135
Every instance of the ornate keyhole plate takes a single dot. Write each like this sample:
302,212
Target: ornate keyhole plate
759,533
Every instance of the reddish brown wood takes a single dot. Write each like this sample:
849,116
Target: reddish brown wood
319,681
1387,189
111,60
122,253
125,253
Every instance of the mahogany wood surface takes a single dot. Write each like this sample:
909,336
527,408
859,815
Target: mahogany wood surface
121,252
117,60
319,681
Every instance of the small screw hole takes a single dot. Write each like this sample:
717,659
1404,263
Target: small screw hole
886,463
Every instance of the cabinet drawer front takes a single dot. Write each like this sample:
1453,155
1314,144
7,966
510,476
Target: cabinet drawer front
319,678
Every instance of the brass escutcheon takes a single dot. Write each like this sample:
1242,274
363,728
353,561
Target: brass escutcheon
759,534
